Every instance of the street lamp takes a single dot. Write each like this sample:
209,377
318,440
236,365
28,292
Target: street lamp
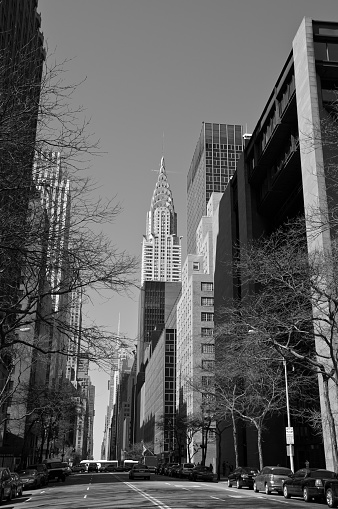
289,430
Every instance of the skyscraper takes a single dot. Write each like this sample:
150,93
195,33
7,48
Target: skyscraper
161,250
213,164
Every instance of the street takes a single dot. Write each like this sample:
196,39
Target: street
106,490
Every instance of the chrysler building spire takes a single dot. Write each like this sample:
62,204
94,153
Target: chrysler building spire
161,251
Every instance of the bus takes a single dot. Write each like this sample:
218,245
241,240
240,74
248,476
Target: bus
103,465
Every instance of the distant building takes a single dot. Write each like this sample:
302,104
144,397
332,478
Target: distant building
161,250
195,327
213,164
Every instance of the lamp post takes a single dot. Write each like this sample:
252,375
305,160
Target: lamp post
289,430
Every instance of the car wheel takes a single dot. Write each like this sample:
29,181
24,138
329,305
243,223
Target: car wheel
286,492
306,495
238,484
330,499
267,489
229,484
255,487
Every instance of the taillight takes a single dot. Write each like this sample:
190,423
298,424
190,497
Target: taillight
319,483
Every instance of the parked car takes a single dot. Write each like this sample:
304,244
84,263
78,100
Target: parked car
307,483
201,473
6,486
271,479
55,470
139,471
331,492
78,468
66,468
242,477
185,469
173,471
93,467
43,470
31,478
17,485
168,467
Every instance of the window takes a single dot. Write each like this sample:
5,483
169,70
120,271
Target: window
207,317
206,381
196,265
208,365
207,301
207,287
206,348
207,331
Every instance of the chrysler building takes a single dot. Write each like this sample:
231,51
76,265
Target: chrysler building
161,250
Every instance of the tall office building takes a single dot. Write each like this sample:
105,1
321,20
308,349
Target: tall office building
282,175
161,250
213,165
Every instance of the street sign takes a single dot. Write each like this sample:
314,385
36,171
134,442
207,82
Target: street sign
289,435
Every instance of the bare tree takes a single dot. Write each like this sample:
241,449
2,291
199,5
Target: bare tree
51,240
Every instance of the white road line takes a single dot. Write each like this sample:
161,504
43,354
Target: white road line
85,496
87,489
216,498
151,499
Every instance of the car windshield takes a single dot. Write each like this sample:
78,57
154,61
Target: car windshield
250,470
323,474
281,471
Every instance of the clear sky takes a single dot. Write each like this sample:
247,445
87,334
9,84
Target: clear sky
164,66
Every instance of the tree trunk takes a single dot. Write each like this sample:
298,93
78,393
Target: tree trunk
259,445
234,433
331,421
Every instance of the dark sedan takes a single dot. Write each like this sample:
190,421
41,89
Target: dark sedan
242,477
201,473
307,483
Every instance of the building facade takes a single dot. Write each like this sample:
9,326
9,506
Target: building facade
161,249
195,324
213,164
281,176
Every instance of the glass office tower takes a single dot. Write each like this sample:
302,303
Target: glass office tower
214,163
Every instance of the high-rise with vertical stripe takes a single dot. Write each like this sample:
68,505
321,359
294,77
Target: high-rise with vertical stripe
213,165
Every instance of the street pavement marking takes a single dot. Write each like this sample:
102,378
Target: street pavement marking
152,499
85,496
87,488
216,498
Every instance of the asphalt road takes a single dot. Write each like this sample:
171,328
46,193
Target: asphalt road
108,490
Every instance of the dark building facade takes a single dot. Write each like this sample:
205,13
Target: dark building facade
278,178
156,303
213,164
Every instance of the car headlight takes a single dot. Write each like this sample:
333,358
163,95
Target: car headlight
319,483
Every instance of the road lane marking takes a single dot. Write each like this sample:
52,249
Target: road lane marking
151,499
87,488
216,498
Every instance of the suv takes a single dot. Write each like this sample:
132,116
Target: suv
43,471
185,469
271,479
55,470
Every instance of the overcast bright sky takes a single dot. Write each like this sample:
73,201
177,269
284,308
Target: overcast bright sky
164,66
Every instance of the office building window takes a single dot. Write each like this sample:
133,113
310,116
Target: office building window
207,317
207,287
207,331
206,348
207,301
208,365
196,265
